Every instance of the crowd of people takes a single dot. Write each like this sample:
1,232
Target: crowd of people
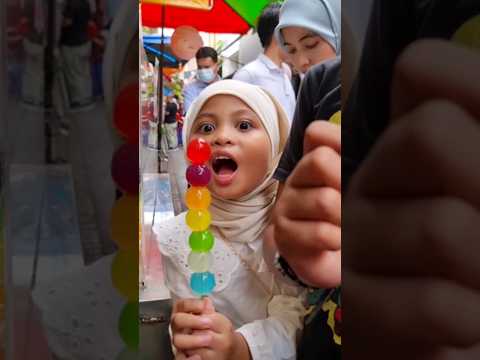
79,28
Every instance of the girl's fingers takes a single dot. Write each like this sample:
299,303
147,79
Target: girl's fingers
181,321
324,204
435,237
410,311
185,342
193,306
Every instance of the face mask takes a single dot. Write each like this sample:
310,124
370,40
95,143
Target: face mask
206,75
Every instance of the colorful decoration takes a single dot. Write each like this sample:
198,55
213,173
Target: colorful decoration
198,218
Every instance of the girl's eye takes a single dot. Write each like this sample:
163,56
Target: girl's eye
311,46
291,50
206,128
244,126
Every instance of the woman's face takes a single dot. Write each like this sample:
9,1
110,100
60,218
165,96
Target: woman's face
305,48
241,150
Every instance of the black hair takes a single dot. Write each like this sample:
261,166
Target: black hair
267,22
207,52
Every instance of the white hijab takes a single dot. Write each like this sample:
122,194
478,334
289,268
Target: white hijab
244,220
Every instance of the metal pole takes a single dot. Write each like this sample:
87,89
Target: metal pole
160,92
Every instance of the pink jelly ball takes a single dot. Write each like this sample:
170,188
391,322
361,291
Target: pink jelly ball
198,151
198,175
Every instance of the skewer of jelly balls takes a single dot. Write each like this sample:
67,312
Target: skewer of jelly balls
198,218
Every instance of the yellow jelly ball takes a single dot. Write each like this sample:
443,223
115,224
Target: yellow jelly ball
124,274
198,198
198,220
336,118
124,222
469,34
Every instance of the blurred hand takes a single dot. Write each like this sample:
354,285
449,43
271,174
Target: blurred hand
201,333
307,216
412,269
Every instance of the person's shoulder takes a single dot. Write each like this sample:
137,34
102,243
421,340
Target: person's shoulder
247,72
326,72
192,84
322,86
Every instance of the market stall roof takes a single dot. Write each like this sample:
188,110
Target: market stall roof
225,16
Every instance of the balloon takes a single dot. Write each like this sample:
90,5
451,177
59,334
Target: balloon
185,42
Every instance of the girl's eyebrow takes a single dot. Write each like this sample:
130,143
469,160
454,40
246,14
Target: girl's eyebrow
206,114
243,112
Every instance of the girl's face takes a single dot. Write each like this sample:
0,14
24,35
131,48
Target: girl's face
240,145
305,48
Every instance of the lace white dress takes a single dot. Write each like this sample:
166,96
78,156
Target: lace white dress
267,312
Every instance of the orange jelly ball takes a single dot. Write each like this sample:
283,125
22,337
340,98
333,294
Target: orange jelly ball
198,198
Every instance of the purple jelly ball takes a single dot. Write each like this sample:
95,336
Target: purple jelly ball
198,175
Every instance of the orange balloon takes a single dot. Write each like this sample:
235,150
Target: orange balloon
185,42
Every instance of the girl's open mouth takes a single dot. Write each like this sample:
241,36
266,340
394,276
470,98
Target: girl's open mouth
224,169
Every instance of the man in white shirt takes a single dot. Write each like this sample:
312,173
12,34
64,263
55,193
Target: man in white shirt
268,70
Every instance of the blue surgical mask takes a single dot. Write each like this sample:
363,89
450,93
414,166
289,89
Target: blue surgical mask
206,75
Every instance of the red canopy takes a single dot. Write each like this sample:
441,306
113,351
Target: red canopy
220,19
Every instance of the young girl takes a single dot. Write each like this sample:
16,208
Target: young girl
249,315
309,31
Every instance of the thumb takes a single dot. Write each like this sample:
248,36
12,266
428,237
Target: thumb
208,306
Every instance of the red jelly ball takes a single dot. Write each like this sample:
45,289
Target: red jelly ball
198,151
198,175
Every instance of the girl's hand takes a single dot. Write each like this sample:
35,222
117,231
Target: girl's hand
200,331
412,269
307,215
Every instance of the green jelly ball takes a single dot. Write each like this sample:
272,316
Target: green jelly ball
128,325
201,241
